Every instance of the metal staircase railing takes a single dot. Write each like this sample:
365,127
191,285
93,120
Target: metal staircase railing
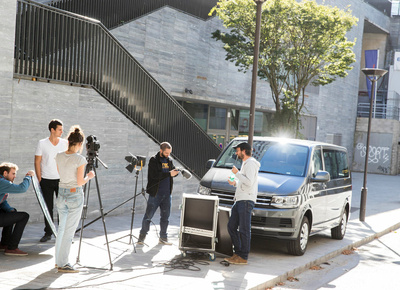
113,13
56,45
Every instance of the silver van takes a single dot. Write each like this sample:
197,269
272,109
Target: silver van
304,187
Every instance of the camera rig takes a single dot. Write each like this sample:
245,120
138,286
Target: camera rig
92,153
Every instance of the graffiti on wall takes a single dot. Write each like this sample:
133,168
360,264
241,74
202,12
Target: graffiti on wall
379,155
376,154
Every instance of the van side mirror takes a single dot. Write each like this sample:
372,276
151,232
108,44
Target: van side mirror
321,176
210,163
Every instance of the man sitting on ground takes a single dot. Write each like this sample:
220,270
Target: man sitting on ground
13,222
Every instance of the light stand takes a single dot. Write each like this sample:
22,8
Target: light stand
373,74
91,158
133,161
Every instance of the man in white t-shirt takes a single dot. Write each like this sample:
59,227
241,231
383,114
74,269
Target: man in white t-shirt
46,168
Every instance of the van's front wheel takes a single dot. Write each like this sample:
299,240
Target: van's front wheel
298,246
338,232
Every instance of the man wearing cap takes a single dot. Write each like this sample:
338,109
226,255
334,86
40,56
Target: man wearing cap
246,183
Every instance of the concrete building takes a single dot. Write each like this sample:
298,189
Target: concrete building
176,48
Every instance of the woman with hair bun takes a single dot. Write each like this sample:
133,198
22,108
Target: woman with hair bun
71,167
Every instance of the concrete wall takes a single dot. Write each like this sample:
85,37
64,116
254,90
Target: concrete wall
383,147
395,33
394,77
177,49
25,111
179,52
34,104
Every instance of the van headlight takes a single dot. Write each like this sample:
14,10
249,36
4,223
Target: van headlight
204,190
291,201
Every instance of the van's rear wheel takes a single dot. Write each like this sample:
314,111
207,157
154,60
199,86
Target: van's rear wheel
298,246
338,232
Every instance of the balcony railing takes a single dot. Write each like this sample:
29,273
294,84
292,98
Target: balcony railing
380,111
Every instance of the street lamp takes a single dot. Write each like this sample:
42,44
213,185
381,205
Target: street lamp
255,70
373,74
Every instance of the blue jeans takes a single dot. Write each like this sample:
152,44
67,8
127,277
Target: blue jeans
241,219
69,206
164,202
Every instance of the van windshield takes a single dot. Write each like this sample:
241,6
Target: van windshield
274,157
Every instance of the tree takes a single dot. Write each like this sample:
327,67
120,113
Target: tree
301,44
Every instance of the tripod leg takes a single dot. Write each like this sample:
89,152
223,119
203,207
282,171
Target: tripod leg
84,213
133,211
102,218
130,235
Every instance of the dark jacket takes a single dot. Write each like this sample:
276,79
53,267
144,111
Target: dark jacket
155,174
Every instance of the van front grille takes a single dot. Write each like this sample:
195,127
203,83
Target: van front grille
226,198
271,222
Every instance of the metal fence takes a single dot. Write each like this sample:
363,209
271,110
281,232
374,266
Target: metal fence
61,46
113,13
380,111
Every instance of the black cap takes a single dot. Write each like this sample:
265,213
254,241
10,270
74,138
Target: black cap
243,146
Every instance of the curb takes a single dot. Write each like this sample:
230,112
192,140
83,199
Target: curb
325,258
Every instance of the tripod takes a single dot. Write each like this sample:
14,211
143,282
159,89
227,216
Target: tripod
91,158
130,235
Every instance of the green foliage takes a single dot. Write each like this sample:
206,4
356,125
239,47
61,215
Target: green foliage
301,44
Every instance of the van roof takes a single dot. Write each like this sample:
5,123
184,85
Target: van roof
307,143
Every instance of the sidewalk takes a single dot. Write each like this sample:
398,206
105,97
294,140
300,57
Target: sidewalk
269,262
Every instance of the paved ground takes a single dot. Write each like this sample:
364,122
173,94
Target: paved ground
150,266
371,266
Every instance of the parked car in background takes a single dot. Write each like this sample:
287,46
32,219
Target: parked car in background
304,187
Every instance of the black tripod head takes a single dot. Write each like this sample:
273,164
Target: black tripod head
92,153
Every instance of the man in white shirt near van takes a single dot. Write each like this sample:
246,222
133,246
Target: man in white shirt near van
246,183
46,168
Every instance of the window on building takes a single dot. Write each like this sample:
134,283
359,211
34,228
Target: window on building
199,112
244,122
234,119
395,10
217,119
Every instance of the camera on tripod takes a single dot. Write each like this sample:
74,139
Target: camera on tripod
92,145
92,152
135,160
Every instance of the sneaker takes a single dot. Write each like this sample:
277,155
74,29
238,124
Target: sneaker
238,261
3,248
141,239
164,241
45,238
15,252
67,269
231,259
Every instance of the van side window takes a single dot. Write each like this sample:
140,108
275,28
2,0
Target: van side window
336,163
343,167
317,162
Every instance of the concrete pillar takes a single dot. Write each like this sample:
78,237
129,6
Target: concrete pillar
7,35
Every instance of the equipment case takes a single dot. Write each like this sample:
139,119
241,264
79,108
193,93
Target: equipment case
198,229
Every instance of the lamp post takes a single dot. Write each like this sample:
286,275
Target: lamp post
255,70
373,74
